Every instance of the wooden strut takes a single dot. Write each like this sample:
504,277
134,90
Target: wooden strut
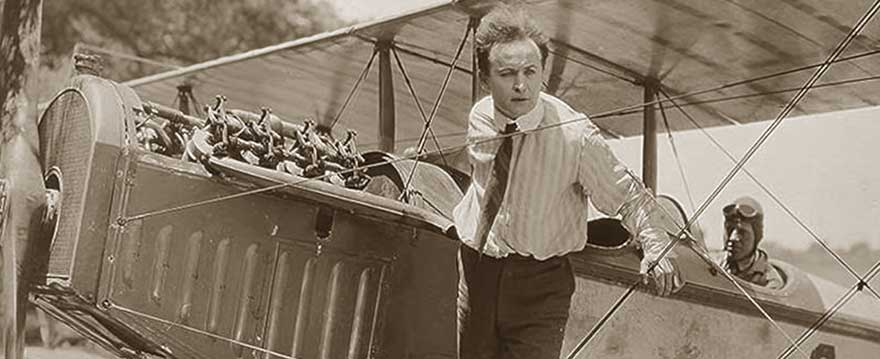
476,83
649,146
387,120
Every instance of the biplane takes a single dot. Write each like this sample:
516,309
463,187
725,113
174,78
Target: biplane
314,222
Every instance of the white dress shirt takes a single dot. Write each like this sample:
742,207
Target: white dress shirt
554,173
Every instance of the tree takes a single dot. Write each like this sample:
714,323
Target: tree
22,182
176,32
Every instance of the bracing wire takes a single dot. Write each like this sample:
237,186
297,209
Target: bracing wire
775,198
612,112
861,282
412,91
763,93
832,310
410,157
555,52
129,57
496,138
787,109
687,187
199,331
764,136
784,114
197,105
415,139
430,119
684,233
638,108
354,88
431,204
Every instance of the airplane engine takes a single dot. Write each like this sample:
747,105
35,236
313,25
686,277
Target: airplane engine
305,269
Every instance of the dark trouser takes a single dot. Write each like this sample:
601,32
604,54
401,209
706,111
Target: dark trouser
514,307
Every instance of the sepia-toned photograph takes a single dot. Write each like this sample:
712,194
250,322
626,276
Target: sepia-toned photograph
429,179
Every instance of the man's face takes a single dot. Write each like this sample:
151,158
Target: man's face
740,237
515,76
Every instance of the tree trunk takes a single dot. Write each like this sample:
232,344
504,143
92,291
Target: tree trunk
19,164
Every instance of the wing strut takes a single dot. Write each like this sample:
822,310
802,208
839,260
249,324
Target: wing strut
387,120
795,345
649,145
475,68
861,281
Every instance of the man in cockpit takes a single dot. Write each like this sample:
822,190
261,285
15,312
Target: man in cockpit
743,231
536,164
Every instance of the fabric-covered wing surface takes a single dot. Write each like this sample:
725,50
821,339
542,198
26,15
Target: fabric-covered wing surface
610,49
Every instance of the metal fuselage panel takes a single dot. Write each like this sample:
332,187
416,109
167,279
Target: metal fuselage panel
253,271
647,326
245,276
708,318
234,278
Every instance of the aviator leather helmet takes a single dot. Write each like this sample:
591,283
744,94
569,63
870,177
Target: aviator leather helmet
750,211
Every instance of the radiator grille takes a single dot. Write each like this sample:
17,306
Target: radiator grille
66,143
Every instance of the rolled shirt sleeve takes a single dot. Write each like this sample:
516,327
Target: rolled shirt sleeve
613,190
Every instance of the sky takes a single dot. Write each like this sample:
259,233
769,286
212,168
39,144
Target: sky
356,10
821,167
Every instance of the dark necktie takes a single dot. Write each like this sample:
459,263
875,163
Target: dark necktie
496,187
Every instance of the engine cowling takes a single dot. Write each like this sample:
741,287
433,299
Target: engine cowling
82,137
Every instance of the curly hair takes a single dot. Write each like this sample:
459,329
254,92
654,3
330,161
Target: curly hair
504,24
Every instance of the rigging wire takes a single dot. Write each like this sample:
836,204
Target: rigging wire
430,204
415,139
751,95
129,57
430,119
764,136
669,246
684,233
861,283
354,88
556,52
782,116
781,91
285,184
495,138
411,157
639,107
684,230
678,162
775,199
403,158
198,331
833,309
412,92
788,108
197,108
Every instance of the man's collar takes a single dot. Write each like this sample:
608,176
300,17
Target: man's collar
757,263
527,122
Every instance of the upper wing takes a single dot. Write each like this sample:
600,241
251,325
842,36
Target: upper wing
602,54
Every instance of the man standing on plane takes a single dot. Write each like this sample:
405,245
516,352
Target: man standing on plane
526,208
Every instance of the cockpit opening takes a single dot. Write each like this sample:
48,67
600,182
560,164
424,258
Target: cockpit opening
607,233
